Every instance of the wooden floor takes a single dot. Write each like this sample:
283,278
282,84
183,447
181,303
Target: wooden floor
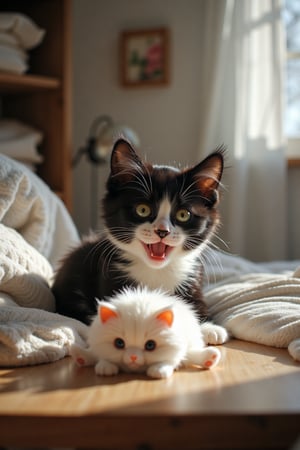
251,400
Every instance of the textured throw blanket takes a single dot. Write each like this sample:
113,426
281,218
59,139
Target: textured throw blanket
35,232
256,302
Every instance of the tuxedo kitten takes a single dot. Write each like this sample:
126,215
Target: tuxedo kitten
158,220
144,331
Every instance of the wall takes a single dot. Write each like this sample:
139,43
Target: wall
165,118
294,214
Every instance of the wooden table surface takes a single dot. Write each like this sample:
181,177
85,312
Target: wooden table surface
251,400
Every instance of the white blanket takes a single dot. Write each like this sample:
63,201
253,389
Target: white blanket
256,302
35,232
28,206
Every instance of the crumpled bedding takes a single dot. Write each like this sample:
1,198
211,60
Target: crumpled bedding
30,336
256,302
35,232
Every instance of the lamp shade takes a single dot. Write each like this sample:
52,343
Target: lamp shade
103,132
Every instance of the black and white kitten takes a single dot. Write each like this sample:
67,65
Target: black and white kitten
158,219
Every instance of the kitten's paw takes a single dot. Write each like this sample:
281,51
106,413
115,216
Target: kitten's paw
104,367
160,371
214,334
81,356
212,357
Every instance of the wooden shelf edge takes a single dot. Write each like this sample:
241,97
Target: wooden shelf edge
293,163
59,194
27,82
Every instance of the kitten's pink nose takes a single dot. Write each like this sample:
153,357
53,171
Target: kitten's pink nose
133,358
162,233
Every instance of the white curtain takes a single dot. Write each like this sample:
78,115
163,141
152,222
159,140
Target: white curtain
243,56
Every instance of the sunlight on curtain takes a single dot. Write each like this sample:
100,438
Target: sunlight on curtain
243,51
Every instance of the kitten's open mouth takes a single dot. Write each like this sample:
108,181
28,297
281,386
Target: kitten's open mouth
158,251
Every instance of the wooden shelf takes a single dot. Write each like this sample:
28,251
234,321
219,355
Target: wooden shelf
293,163
18,83
41,98
59,194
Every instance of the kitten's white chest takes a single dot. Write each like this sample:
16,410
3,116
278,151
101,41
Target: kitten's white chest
166,278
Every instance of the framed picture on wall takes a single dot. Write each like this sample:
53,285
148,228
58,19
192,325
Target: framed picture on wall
144,57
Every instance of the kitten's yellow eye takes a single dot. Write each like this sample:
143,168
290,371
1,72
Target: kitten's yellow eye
143,210
183,215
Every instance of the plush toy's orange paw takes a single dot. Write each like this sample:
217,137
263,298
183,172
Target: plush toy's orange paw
80,361
210,361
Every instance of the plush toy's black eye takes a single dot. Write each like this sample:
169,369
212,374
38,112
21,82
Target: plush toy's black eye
119,343
150,345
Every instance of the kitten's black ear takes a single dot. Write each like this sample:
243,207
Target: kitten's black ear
124,160
208,175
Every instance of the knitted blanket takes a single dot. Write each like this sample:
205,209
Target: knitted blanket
35,231
256,302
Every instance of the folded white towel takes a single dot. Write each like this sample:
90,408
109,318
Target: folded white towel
7,49
27,32
12,59
20,141
9,40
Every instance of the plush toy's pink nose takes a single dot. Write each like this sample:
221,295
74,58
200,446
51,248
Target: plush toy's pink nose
133,358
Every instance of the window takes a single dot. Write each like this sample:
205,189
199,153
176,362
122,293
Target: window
291,18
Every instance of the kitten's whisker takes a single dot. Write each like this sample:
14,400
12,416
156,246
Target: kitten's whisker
147,183
188,188
101,255
222,242
205,275
212,259
189,194
137,177
107,261
94,249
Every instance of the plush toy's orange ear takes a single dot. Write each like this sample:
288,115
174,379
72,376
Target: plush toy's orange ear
166,316
106,313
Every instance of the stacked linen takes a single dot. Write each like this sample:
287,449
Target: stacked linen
20,141
18,34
